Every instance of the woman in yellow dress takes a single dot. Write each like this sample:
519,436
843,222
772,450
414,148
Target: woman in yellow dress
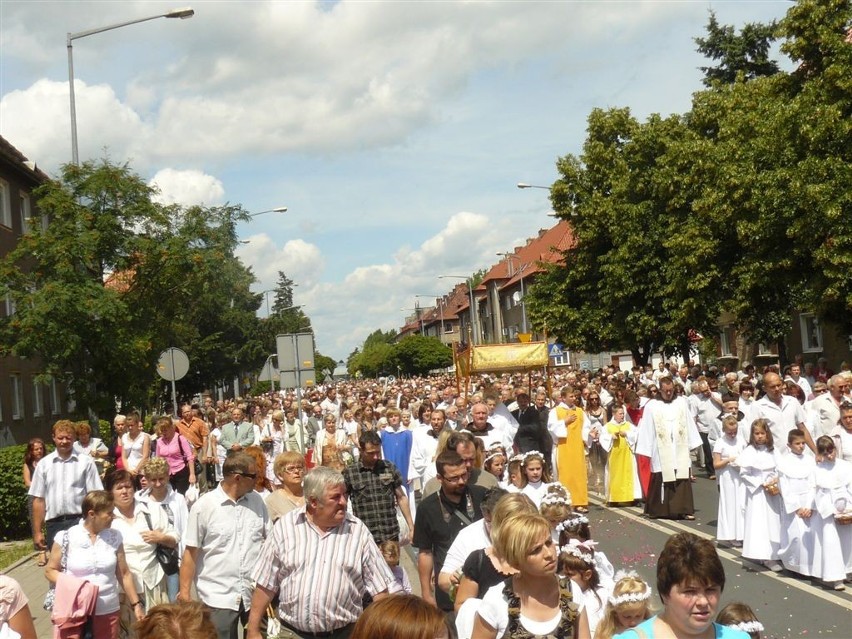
567,423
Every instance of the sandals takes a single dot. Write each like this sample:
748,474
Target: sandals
43,561
581,509
689,517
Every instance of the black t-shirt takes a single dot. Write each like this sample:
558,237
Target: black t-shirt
437,524
478,567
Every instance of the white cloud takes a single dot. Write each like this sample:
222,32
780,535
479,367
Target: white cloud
37,120
187,187
301,261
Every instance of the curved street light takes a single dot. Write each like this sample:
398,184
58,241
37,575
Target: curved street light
182,14
524,185
277,209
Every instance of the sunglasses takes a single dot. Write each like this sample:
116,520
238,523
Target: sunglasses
249,475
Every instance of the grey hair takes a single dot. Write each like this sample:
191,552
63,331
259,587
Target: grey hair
318,479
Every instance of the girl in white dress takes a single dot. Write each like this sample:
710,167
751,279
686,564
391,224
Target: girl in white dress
762,532
537,479
796,472
577,561
833,555
732,492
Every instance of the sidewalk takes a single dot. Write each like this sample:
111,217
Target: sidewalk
30,575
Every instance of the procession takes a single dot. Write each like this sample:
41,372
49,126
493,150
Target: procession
294,528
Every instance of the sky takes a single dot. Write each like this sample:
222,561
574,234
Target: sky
394,132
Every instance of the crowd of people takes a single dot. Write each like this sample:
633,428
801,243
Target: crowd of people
284,514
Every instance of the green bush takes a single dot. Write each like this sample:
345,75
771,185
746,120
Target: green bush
13,494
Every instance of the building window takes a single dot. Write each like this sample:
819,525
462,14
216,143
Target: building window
727,341
5,204
54,397
38,399
448,327
25,213
10,305
811,333
17,396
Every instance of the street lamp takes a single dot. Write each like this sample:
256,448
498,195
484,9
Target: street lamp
277,209
175,13
521,268
417,310
440,299
524,185
473,319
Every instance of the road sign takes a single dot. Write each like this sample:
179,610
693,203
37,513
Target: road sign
173,364
554,350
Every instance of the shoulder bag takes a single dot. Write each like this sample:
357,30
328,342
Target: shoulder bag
166,557
50,596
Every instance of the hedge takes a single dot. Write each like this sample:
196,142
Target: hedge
13,494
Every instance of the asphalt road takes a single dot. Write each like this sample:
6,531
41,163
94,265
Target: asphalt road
788,606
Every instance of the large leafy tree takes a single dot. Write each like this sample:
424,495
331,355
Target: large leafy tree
777,168
417,355
115,278
636,250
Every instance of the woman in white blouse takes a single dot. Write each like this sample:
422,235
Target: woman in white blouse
94,553
142,529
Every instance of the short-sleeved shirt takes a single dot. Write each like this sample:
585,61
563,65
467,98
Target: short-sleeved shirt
63,483
437,525
372,492
228,535
478,567
12,598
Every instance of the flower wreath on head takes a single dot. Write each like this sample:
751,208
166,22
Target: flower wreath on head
493,452
584,550
747,626
528,454
629,597
517,458
554,498
572,523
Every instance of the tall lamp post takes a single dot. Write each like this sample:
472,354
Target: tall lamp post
417,310
473,314
175,13
440,299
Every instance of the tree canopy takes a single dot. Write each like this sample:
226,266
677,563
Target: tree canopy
741,204
115,278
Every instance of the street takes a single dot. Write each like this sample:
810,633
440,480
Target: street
786,605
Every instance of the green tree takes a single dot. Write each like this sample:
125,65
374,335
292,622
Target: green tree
634,279
418,354
746,52
115,278
283,293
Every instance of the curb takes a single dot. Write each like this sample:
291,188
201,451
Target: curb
18,563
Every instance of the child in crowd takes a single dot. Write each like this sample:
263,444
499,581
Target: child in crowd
622,477
495,462
576,527
732,492
740,617
390,551
832,560
627,606
796,472
758,469
555,507
516,480
536,476
577,561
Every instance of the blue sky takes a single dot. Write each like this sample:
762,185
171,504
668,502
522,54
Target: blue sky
395,132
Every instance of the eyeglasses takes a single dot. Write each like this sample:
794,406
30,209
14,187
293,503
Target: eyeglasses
458,479
249,475
294,469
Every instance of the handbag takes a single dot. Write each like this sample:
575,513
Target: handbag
50,595
196,464
166,557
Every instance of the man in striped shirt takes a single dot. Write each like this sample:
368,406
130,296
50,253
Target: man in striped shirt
60,482
321,560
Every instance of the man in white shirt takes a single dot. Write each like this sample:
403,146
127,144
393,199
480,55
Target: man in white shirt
783,412
706,407
796,376
331,403
826,407
226,530
59,483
